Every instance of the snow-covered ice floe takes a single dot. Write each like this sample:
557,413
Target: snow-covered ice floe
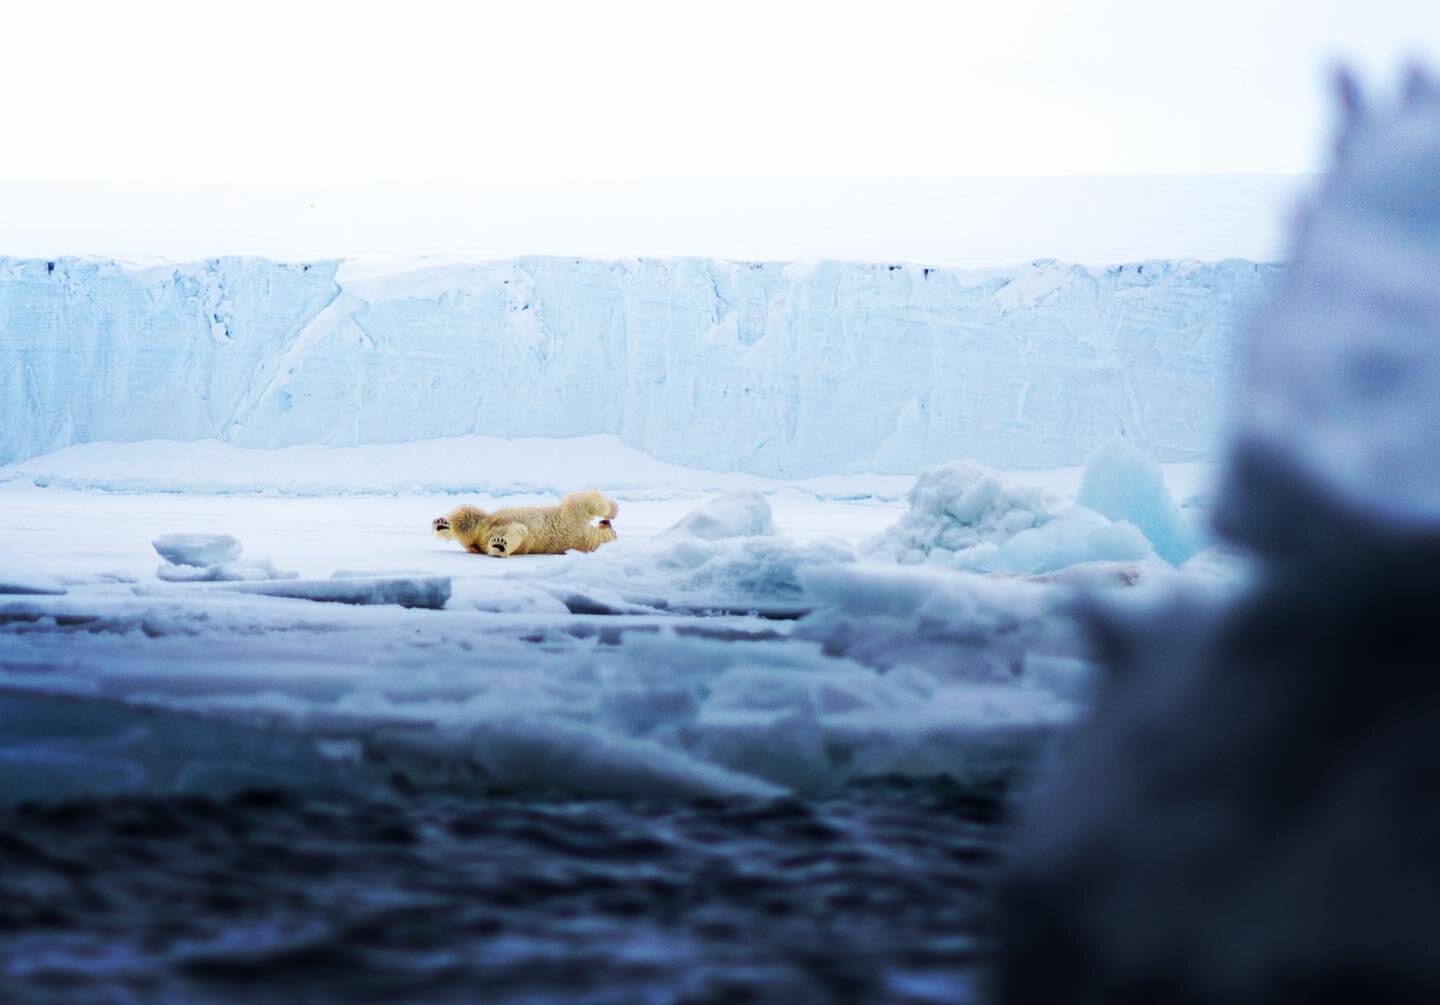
20,576
210,558
634,670
638,670
199,550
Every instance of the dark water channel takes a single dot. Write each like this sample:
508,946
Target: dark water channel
879,894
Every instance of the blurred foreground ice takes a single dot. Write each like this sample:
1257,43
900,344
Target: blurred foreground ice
1249,816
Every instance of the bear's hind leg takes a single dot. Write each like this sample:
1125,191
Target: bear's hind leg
505,541
589,505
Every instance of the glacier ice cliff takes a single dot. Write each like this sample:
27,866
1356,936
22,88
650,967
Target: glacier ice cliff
784,370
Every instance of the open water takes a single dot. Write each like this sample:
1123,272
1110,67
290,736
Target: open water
879,894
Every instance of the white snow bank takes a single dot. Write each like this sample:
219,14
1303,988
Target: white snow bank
1122,483
197,549
472,465
20,576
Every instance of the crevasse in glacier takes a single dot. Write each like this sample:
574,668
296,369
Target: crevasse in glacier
785,370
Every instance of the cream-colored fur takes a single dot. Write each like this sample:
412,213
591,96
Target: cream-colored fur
532,530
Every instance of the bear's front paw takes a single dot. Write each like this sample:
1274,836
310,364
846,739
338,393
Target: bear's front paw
440,524
497,544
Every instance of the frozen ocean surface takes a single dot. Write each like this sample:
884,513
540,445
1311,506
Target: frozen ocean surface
731,641
741,752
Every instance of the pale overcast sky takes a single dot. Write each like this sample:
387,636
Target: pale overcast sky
266,90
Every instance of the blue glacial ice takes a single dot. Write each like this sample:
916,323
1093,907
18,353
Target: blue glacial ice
783,370
966,517
1121,483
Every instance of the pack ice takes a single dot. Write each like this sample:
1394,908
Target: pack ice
776,369
749,645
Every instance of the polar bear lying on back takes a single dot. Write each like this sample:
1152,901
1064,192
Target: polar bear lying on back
532,530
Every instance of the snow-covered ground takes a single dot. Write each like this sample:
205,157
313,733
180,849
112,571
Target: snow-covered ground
742,636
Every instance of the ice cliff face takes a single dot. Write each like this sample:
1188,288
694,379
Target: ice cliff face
774,369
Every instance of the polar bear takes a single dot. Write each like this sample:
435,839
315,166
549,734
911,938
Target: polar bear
532,530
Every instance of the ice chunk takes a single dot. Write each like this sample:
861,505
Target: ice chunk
958,505
1076,536
19,576
1122,483
250,569
407,591
197,549
964,516
737,514
549,754
958,627
210,558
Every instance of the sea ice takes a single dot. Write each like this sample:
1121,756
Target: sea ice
959,627
236,571
547,753
959,505
518,683
966,517
210,558
407,591
197,549
20,576
1076,536
725,554
1122,483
